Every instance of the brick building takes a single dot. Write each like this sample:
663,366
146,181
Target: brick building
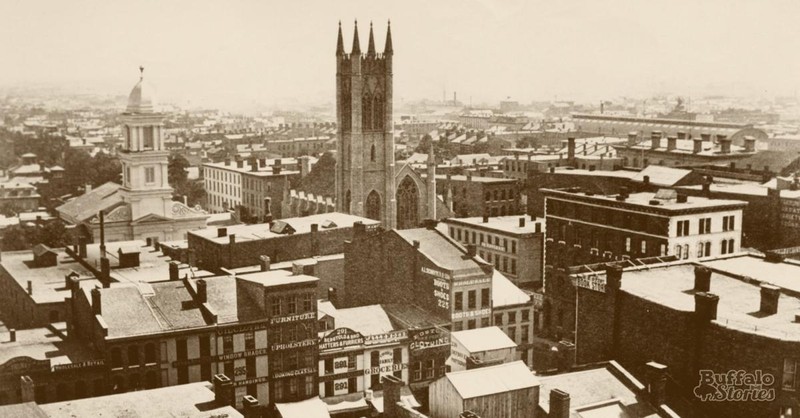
288,239
18,197
683,151
476,196
724,314
513,244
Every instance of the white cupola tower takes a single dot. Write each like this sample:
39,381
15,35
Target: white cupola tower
144,159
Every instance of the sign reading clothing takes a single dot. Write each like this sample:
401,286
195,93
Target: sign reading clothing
429,338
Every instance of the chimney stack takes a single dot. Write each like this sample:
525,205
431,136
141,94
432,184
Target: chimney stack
769,299
105,271
522,222
724,144
655,139
472,250
749,144
12,335
264,261
223,390
702,279
559,404
30,287
297,269
332,295
705,306
97,307
657,383
485,218
173,270
571,148
672,143
632,138
682,135
416,244
250,407
202,291
697,146
232,239
82,247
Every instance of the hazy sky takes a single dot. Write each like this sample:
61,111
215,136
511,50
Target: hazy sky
239,53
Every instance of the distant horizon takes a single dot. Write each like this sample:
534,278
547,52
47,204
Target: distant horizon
252,54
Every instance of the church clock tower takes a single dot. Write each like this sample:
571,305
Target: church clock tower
144,159
365,181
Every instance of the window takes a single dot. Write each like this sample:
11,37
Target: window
351,361
512,317
205,371
524,334
430,369
484,322
417,369
471,324
512,333
183,374
459,299
526,315
116,357
728,222
485,298
513,247
628,244
471,299
227,344
249,340
683,228
328,389
180,348
663,249
250,364
644,247
328,365
150,353
276,306
513,266
685,251
730,245
205,346
723,247
292,304
708,249
293,386
308,302
789,374
498,319
133,355
704,227
148,142
397,358
458,326
149,175
352,384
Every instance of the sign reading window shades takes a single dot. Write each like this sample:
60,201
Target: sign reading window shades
341,338
592,282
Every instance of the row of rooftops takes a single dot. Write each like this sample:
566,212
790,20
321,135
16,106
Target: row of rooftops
666,201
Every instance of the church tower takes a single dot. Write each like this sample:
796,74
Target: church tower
144,159
365,181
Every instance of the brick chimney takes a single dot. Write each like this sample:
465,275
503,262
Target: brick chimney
571,148
698,146
769,299
202,291
705,306
391,395
672,143
250,407
655,139
173,270
657,383
682,135
702,279
559,404
566,355
97,307
522,222
632,138
472,250
264,261
749,144
223,390
724,144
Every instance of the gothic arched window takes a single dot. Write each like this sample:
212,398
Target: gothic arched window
372,153
374,206
407,204
347,200
377,108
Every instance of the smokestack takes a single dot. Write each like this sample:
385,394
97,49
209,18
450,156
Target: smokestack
102,234
571,148
672,143
724,144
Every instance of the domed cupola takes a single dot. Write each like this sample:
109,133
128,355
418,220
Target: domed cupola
142,98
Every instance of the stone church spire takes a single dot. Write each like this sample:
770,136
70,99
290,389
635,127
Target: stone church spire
340,42
371,46
356,43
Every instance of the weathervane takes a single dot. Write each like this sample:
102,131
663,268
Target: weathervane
141,72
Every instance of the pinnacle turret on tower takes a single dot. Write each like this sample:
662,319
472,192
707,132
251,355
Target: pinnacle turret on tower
387,50
371,46
340,42
356,43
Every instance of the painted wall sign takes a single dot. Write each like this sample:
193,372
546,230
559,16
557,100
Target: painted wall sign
341,338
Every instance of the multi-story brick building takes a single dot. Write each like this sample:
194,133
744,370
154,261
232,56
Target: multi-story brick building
594,228
514,245
288,239
704,318
258,329
476,196
18,197
682,151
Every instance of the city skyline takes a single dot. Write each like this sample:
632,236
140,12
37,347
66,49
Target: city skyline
254,54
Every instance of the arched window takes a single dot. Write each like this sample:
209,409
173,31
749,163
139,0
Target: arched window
150,353
347,201
685,251
730,245
723,247
377,108
374,206
679,251
407,204
372,153
133,355
708,249
116,357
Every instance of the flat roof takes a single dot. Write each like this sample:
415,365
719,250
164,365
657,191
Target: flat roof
301,225
48,283
643,200
312,407
475,178
277,278
661,176
671,285
506,224
483,339
485,381
189,400
153,264
609,383
43,344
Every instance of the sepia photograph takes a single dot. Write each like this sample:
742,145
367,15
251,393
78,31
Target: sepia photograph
417,209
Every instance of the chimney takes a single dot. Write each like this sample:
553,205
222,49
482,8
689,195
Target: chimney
646,180
702,279
250,407
202,291
82,247
297,269
613,278
469,176
155,243
697,146
655,139
566,355
332,295
672,143
12,335
749,144
87,188
221,232
522,222
681,135
705,137
769,298
724,144
97,307
276,169
253,164
571,148
30,287
538,228
314,228
705,306
485,218
232,239
223,390
559,404
173,270
264,261
239,164
472,250
227,161
681,198
391,395
632,138
657,383
416,244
